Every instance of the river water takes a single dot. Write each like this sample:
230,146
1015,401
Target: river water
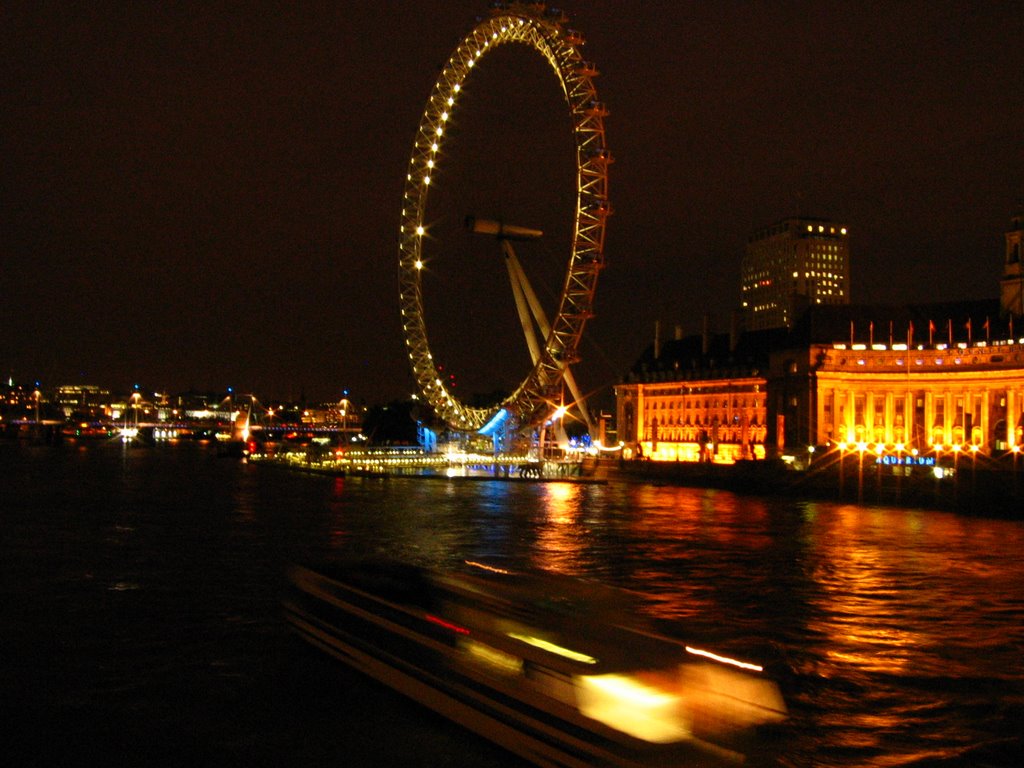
140,622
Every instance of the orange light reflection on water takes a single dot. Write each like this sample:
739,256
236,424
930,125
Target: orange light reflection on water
690,529
869,590
561,537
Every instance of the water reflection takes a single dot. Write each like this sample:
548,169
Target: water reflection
561,535
897,633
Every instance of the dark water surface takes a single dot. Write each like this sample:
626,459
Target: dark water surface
139,620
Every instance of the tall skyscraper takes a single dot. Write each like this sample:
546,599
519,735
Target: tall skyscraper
790,265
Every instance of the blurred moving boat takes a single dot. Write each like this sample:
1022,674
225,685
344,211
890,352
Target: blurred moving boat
544,665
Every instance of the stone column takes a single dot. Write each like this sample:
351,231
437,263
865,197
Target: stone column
869,416
1011,415
641,414
890,416
986,401
948,418
909,412
819,431
929,416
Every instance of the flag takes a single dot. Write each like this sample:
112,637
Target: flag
967,325
949,327
871,333
931,333
910,335
987,328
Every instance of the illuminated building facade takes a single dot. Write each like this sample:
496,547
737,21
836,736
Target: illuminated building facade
81,399
920,398
936,379
884,385
791,265
697,398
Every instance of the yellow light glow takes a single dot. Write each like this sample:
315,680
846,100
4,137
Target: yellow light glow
420,230
632,707
550,647
630,690
496,659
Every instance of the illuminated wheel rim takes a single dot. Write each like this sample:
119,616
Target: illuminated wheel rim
545,33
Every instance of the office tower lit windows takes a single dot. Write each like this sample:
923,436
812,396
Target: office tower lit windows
791,265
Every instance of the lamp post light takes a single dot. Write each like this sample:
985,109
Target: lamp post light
346,406
900,447
974,466
36,396
956,469
842,465
879,450
1016,451
861,447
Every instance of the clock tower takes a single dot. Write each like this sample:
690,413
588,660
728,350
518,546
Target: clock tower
1011,286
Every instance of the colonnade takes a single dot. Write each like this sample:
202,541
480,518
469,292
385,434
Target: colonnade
920,414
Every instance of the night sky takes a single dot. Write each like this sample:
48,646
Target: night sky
203,195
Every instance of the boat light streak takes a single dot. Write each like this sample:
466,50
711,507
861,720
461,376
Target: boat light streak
446,624
544,645
724,659
485,567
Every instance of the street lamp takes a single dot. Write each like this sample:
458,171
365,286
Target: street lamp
879,450
861,447
1016,451
956,469
842,464
900,469
37,394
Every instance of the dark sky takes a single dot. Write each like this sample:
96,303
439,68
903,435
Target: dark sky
203,195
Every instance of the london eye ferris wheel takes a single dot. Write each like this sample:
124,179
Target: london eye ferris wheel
553,342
